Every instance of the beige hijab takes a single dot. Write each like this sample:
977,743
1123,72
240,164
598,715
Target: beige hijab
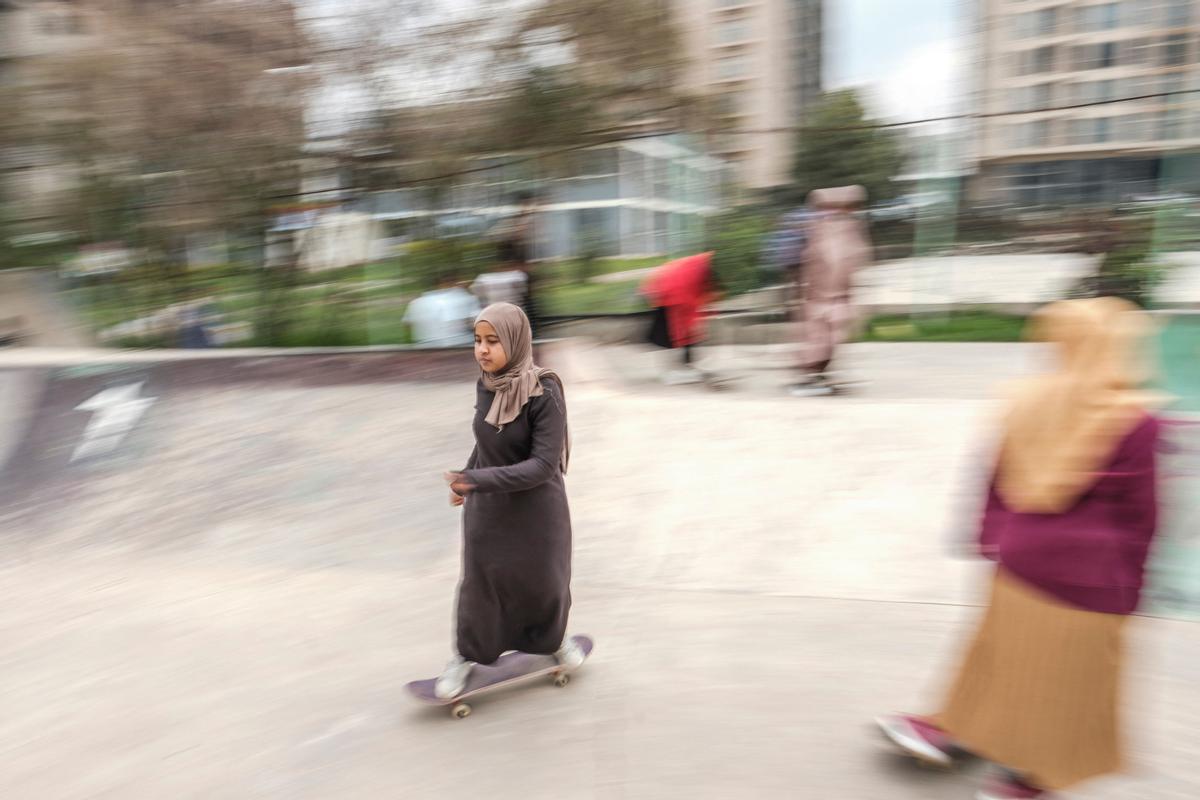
1065,426
521,378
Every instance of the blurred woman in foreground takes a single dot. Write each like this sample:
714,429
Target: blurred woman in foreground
1070,516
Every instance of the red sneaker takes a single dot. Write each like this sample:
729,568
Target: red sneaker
1010,788
919,738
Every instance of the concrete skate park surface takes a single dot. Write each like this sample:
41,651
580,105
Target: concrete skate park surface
224,595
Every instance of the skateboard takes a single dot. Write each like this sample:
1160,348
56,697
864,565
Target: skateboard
718,383
838,388
847,386
508,670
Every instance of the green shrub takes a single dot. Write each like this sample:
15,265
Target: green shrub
429,261
736,239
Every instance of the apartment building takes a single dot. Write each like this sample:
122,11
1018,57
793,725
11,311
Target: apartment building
1087,101
760,60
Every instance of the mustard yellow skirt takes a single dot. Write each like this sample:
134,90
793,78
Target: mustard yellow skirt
1039,690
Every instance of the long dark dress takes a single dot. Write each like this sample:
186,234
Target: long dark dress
515,592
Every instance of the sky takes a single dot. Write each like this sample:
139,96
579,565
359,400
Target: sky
907,56
910,62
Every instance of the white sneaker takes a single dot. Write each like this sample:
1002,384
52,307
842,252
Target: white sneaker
570,655
453,679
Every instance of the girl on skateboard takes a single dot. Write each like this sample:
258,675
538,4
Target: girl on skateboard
516,570
1069,519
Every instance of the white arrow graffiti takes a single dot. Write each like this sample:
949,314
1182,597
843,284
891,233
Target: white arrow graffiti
114,413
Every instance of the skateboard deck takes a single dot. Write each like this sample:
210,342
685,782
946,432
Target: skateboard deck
835,388
718,383
508,670
847,386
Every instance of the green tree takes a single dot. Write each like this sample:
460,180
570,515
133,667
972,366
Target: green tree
839,147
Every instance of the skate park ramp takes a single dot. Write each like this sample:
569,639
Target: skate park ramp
218,571
290,461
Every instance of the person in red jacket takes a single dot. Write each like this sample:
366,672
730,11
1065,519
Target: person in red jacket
679,291
1070,515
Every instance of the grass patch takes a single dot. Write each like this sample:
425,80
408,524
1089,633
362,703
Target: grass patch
591,298
575,271
957,326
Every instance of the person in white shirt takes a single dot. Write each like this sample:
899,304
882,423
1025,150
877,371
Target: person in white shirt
500,287
443,317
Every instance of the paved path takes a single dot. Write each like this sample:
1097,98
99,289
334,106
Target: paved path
230,604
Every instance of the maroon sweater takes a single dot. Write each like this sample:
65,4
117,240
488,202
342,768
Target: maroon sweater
1094,555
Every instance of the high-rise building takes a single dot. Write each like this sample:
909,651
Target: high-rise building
808,51
753,59
1055,82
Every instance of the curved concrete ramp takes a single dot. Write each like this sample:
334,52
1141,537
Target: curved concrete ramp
218,572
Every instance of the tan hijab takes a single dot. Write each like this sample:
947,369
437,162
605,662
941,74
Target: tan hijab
1062,428
521,378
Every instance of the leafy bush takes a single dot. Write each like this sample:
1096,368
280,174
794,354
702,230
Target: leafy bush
736,240
429,261
1128,267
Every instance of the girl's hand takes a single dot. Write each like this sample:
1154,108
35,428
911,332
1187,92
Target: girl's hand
456,499
457,484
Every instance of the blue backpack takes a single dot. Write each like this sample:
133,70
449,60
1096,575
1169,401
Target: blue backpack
783,251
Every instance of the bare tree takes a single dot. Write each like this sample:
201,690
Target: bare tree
192,112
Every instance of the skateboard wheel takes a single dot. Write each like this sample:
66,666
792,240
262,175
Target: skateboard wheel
461,710
562,679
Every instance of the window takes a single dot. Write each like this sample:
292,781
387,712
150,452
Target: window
1098,18
1173,84
1137,86
1171,124
1032,98
1095,56
1036,61
1017,136
1175,50
1042,95
1022,26
1046,21
1131,128
1043,22
1031,134
1179,13
1090,131
1137,51
1108,55
731,68
1102,91
1039,134
1018,99
732,31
